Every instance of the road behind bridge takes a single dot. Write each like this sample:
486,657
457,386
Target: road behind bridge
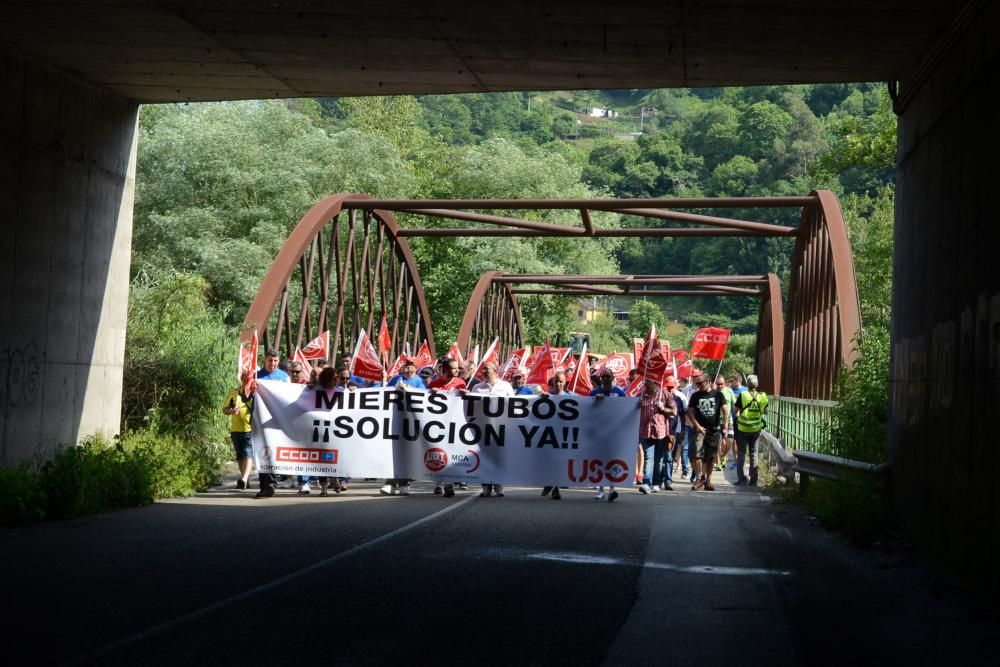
710,577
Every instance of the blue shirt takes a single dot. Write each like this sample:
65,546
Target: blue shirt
615,391
416,381
524,391
277,375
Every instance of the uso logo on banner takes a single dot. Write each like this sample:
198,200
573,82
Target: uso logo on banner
596,471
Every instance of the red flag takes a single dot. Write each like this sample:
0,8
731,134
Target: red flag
650,350
619,363
424,357
685,369
710,343
636,387
384,340
543,369
365,362
514,363
492,355
455,353
680,355
248,365
581,377
318,348
637,345
300,357
396,366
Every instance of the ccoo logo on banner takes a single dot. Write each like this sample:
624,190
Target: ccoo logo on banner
392,433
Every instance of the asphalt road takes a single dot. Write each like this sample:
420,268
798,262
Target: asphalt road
728,577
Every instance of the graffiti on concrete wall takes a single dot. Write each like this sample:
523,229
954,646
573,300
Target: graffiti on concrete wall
20,376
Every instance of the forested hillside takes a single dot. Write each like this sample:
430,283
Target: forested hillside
219,187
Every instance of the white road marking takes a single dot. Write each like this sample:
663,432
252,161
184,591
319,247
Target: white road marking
586,559
275,583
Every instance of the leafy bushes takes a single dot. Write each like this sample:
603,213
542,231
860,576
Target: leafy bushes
100,475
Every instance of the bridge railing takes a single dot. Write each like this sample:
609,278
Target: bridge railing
800,423
797,441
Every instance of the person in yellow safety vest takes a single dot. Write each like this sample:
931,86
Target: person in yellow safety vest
239,407
751,406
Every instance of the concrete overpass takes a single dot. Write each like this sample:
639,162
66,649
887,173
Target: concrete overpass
73,72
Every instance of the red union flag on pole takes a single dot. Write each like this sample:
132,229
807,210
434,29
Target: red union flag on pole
491,356
365,362
384,340
581,376
424,357
306,366
514,362
248,365
710,343
396,366
543,368
619,364
455,353
318,348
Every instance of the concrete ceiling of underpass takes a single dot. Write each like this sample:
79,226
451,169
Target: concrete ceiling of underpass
179,50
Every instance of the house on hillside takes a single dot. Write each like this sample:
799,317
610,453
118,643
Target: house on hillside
597,112
588,310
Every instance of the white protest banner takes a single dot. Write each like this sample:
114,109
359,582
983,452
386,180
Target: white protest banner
535,440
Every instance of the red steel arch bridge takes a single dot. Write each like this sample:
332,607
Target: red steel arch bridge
348,261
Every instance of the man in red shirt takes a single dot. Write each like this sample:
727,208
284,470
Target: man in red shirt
449,381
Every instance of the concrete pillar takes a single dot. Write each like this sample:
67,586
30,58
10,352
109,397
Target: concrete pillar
67,172
945,375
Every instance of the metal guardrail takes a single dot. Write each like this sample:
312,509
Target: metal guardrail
812,464
800,423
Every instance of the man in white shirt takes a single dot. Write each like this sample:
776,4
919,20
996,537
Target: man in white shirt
492,385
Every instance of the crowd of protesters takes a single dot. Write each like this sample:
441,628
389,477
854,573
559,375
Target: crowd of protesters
695,425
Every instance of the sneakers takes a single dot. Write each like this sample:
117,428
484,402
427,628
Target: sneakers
654,489
693,478
486,492
240,484
733,467
741,482
462,486
404,490
438,490
709,487
388,489
752,484
612,496
304,490
599,495
698,484
266,491
449,491
555,493
498,489
667,487
546,490
644,488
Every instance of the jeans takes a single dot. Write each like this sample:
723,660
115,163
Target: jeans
668,462
747,441
681,445
653,450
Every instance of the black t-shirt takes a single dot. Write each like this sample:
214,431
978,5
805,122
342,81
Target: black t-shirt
708,408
